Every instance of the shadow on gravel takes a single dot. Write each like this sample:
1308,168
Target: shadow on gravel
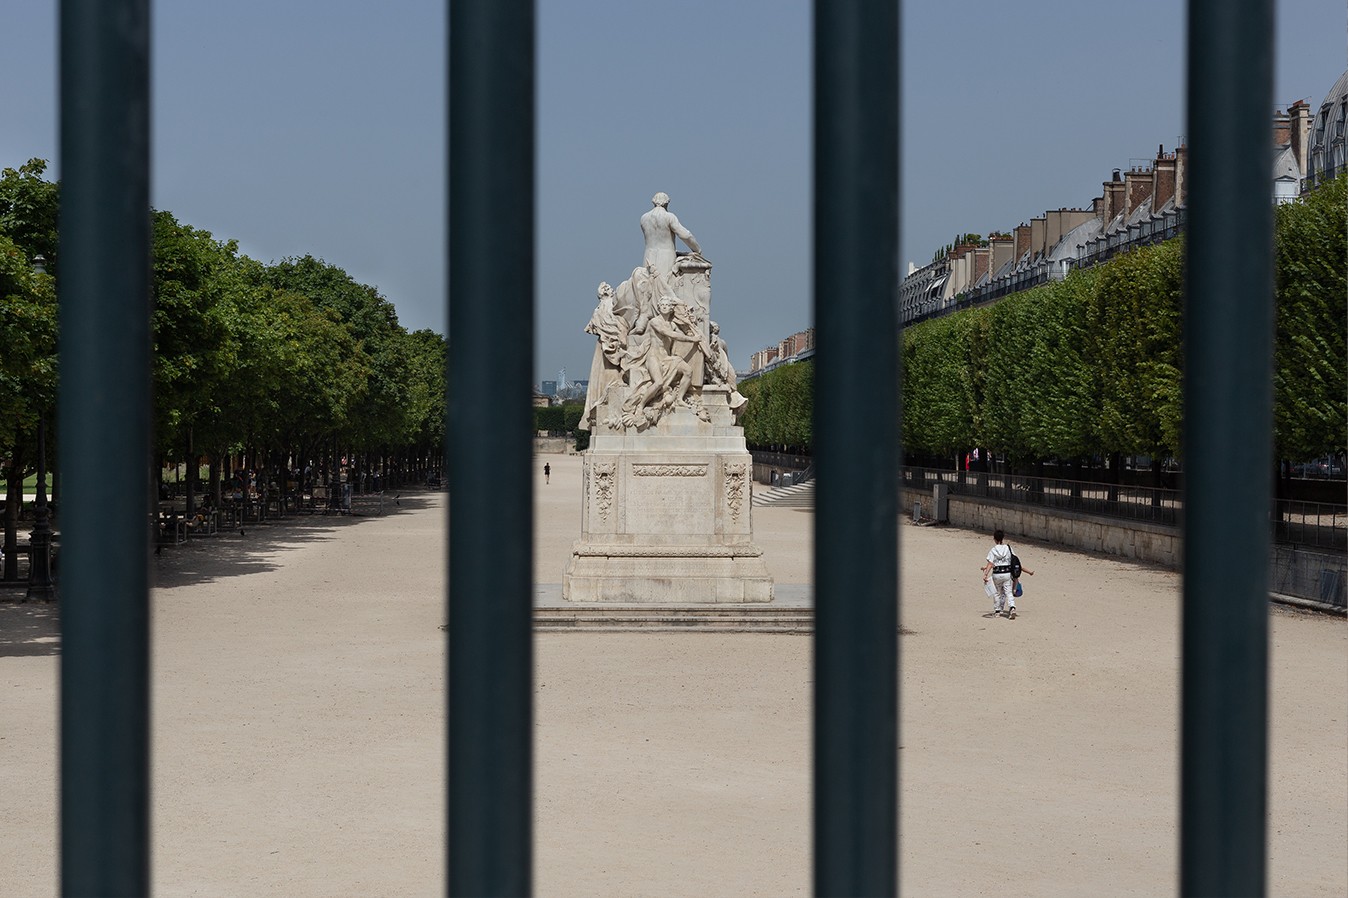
255,548
28,629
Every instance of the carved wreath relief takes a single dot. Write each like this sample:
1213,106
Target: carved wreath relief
603,488
735,477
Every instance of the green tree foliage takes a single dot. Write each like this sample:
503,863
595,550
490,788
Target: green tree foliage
1039,394
428,355
1077,367
273,358
28,310
1311,366
1094,365
194,348
385,414
1138,308
549,419
28,206
939,402
780,411
27,349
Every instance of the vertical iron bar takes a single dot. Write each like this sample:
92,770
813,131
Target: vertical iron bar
105,433
489,447
856,139
1228,400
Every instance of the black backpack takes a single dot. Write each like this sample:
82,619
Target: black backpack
1015,566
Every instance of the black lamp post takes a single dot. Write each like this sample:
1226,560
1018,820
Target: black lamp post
40,584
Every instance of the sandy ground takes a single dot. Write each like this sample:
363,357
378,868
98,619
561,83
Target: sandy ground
299,739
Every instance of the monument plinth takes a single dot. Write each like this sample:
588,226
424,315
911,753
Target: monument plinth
666,514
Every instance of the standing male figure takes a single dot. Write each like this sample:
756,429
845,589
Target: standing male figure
660,226
547,473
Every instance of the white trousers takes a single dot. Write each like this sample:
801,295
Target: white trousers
1001,592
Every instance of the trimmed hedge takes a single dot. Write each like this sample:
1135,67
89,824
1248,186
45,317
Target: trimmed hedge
1093,365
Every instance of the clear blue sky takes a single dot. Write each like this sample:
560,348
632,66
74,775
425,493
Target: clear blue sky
304,127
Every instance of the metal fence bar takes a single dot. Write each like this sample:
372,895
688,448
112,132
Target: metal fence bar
489,447
105,406
1228,412
856,115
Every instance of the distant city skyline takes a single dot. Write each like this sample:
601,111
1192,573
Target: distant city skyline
299,128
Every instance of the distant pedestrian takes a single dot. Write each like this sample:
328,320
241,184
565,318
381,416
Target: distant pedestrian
997,571
547,473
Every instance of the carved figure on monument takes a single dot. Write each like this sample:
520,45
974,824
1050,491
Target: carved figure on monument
720,371
606,371
660,226
659,376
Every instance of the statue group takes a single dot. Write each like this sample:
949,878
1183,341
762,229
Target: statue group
657,345
666,515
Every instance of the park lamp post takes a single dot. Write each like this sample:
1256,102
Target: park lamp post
40,584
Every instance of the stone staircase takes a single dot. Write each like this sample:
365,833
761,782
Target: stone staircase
757,618
801,495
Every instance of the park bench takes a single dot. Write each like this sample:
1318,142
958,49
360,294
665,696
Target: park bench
171,528
204,523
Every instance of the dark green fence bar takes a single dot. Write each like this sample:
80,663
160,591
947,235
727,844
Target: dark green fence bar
1228,399
856,128
105,439
490,446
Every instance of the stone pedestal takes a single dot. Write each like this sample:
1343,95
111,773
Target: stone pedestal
667,514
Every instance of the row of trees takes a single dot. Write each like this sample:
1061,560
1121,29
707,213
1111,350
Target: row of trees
780,412
1093,365
285,361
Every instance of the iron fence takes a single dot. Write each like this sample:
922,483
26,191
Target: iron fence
1315,525
105,166
1138,503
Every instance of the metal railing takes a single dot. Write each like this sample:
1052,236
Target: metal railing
1316,525
105,48
1137,503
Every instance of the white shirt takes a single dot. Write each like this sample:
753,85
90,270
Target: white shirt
999,555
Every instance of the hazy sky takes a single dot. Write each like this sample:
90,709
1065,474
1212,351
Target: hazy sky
305,127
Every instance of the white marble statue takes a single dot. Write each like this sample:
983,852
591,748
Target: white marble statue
659,377
667,480
656,344
660,226
606,371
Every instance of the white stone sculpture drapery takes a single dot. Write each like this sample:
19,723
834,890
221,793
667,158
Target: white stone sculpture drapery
656,347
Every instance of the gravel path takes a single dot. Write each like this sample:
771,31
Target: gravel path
299,740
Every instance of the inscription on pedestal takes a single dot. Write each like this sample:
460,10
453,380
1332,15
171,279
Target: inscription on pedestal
669,470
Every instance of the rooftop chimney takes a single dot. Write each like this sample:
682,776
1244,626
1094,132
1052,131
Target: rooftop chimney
1137,189
1162,179
1299,129
1022,234
1282,132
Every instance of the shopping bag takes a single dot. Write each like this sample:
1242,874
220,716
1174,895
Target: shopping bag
1018,591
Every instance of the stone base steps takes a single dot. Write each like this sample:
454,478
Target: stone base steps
800,495
671,618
